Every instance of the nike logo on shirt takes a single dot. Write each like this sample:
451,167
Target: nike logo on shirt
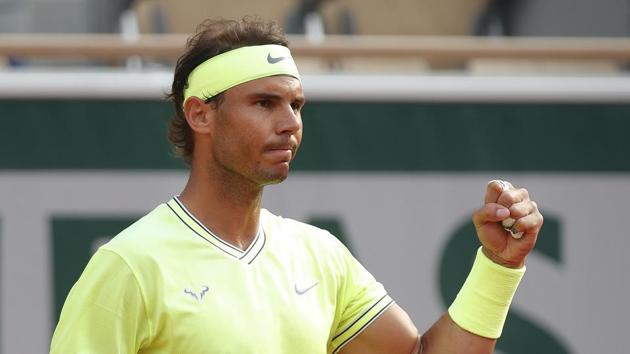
303,290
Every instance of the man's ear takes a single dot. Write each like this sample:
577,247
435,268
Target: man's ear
198,114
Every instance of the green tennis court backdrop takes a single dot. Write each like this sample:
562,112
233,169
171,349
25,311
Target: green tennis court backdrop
396,181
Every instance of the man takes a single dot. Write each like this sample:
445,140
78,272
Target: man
210,271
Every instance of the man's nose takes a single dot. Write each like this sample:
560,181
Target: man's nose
290,121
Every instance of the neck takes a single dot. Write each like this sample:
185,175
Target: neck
227,205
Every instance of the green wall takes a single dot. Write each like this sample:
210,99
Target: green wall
93,134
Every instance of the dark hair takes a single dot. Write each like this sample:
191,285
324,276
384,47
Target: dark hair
212,38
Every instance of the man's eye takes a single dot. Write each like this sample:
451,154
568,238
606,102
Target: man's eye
263,103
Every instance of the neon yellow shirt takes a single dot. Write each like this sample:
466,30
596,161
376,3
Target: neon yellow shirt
166,284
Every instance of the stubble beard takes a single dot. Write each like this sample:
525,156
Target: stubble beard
256,178
257,175
267,177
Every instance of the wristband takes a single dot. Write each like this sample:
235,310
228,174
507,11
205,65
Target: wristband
483,301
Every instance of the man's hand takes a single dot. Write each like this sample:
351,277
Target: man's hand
502,201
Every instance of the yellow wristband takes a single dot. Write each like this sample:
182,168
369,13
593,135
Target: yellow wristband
483,302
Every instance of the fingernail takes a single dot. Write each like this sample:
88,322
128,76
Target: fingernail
503,213
502,184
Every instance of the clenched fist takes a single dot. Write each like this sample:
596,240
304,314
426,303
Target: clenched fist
503,201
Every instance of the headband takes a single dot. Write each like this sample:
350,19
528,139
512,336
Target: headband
237,66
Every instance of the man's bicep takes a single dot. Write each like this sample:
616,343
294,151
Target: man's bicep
392,332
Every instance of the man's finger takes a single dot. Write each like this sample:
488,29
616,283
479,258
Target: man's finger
494,190
513,196
491,212
521,209
529,224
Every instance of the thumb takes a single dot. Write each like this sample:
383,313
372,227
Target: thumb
491,212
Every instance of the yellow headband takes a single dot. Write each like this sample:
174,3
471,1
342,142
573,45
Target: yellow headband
237,66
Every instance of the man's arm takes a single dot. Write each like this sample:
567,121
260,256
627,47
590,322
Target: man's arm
394,333
104,312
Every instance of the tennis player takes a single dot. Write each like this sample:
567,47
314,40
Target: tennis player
211,271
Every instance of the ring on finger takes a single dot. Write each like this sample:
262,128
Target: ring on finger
509,225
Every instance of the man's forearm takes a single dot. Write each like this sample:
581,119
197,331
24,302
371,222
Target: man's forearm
445,336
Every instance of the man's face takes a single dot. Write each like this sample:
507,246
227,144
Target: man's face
258,129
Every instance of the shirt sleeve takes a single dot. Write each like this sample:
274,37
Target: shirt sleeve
361,299
104,312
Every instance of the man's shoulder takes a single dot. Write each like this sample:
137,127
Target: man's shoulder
291,229
278,222
144,232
